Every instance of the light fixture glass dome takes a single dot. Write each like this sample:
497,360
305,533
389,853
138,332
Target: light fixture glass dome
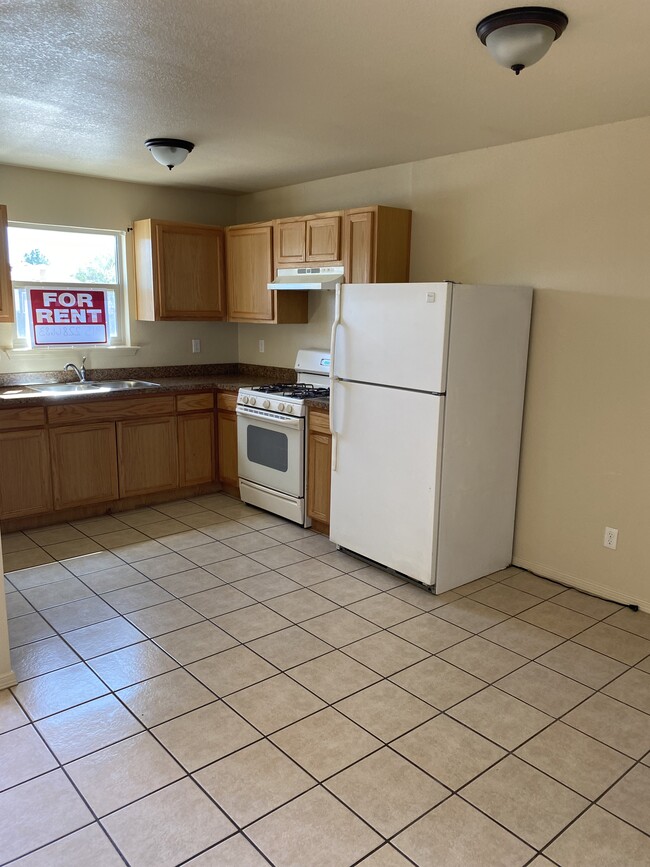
520,44
169,152
519,37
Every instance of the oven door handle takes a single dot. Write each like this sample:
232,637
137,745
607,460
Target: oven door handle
276,421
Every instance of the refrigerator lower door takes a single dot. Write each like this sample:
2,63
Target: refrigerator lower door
385,487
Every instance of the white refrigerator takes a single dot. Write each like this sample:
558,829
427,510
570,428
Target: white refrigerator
426,403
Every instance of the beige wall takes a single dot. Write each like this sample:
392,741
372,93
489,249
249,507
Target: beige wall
35,196
569,215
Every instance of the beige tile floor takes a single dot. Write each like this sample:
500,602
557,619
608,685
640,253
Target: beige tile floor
203,683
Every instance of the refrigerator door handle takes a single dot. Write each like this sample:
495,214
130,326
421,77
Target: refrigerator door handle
335,325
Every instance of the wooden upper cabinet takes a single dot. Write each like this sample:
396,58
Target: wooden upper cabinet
180,271
290,242
323,239
360,247
303,240
6,294
250,270
377,244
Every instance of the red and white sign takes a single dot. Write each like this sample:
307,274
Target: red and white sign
68,316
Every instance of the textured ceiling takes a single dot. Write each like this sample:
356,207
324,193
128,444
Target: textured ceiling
275,92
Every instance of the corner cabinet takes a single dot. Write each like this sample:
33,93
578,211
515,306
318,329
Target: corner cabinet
6,294
180,271
250,270
319,468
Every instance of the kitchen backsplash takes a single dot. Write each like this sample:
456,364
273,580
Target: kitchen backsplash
281,374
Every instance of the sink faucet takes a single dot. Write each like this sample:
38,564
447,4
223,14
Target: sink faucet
81,372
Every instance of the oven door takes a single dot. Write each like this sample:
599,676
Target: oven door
271,450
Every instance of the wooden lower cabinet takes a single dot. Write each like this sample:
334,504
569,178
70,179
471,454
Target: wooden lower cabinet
84,464
319,466
195,448
147,452
227,439
25,487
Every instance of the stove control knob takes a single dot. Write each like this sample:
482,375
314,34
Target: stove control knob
266,404
252,401
280,407
244,399
289,409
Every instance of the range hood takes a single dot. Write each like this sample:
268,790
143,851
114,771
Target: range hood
296,279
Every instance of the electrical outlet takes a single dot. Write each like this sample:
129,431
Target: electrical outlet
260,345
610,539
196,345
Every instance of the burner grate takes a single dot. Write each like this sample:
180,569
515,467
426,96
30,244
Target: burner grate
293,389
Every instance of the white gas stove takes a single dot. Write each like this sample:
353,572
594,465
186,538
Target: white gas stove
271,437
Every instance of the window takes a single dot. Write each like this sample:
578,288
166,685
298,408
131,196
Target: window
57,262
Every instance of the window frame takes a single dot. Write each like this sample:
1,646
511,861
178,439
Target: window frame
122,339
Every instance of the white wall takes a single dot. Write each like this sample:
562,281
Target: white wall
35,196
569,215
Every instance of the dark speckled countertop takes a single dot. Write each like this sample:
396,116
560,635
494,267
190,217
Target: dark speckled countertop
174,380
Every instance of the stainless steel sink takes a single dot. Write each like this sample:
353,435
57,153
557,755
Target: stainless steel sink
125,384
55,389
61,389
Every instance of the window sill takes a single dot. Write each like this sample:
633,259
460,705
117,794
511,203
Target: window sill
96,352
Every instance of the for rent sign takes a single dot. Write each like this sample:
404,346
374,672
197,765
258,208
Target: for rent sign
67,316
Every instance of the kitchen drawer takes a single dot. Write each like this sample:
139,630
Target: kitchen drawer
227,400
194,402
319,421
32,416
111,409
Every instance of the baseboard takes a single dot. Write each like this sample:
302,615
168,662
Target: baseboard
8,679
602,590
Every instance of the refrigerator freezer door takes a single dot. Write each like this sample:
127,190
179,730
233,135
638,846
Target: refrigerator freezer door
394,334
385,488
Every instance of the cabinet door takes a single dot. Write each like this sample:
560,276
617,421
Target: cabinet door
290,241
6,293
323,240
196,448
25,487
250,270
84,464
147,455
227,436
319,476
360,247
191,276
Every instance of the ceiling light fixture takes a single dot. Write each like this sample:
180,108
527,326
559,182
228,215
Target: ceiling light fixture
169,152
519,37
